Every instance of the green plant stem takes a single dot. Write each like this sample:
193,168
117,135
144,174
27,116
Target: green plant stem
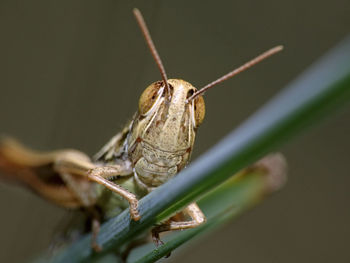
321,88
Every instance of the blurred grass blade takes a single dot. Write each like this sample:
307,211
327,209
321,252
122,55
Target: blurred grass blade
326,85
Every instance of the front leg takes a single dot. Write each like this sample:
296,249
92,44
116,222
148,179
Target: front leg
193,211
99,174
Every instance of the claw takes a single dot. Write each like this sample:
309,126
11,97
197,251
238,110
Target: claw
134,213
157,241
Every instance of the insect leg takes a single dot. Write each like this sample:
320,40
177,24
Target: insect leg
95,230
192,210
34,169
80,189
99,174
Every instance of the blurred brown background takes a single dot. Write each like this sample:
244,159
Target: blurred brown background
71,73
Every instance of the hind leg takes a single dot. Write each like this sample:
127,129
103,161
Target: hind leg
35,170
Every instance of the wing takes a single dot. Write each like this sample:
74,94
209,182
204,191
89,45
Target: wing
115,148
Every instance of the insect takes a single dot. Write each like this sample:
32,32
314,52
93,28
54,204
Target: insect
152,148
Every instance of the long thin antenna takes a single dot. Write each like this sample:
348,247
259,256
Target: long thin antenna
236,71
146,34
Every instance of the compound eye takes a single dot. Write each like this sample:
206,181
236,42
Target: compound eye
199,110
149,97
190,93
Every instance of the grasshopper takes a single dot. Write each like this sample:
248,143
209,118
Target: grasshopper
152,148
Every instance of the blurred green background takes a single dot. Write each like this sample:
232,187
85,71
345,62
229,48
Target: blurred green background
71,73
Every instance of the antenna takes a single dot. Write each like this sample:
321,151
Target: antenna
236,71
146,34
